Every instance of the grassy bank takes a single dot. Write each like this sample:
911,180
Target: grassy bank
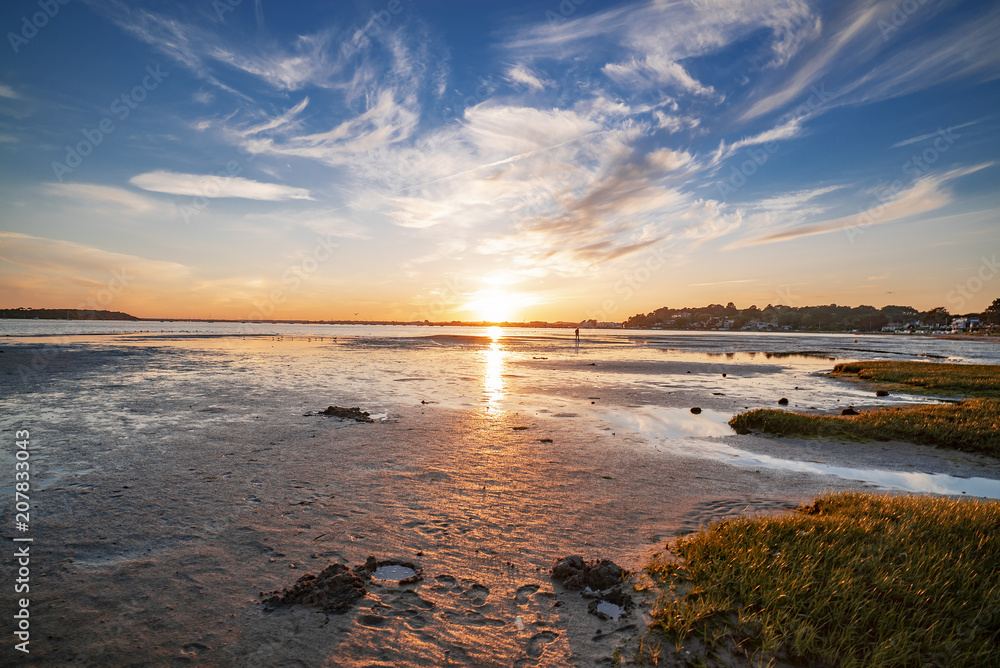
971,380
972,425
853,580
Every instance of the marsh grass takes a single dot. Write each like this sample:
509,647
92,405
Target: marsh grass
972,380
972,425
852,580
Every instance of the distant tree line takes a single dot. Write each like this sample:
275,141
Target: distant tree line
64,314
816,318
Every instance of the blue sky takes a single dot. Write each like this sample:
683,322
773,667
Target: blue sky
453,160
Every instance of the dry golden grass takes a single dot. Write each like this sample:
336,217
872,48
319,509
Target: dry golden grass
853,580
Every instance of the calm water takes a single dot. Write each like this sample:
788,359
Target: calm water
638,381
846,346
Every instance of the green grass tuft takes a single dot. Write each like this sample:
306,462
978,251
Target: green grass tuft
972,425
973,380
853,580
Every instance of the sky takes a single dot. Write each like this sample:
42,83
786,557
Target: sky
546,160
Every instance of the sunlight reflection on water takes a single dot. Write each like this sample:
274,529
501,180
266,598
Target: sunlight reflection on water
493,388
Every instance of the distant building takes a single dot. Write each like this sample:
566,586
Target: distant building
964,324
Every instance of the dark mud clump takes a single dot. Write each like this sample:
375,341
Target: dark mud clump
603,581
576,574
355,414
333,591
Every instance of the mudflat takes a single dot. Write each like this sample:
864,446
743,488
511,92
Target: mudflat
173,494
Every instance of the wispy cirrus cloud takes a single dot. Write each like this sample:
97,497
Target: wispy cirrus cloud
863,64
102,196
212,186
9,93
195,43
523,75
926,194
640,49
929,135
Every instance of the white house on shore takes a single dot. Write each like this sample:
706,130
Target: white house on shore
964,325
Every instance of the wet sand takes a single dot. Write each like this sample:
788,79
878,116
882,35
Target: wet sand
171,494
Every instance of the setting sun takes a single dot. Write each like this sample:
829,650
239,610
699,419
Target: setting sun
493,306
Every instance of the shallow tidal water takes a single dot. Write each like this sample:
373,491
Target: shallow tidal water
639,382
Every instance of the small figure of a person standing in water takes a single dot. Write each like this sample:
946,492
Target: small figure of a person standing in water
578,335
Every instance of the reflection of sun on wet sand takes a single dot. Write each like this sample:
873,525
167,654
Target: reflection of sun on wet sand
179,500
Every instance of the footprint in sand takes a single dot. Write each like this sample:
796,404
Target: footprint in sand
194,648
536,646
523,592
472,618
445,582
410,598
371,620
476,593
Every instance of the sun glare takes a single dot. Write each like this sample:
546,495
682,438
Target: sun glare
493,306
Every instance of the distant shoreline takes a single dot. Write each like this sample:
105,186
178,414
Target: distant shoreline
118,316
524,325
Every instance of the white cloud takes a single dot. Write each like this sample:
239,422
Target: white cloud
209,185
103,195
659,34
522,74
794,201
788,130
389,120
282,120
654,70
929,135
8,92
